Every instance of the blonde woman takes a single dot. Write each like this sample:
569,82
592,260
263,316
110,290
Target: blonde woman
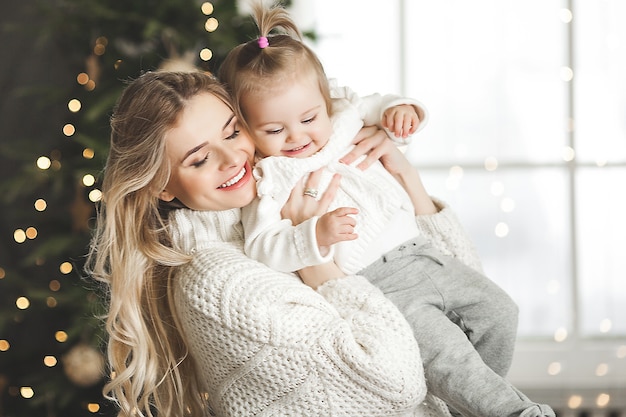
197,328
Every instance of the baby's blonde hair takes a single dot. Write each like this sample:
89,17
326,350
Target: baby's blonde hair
131,252
248,68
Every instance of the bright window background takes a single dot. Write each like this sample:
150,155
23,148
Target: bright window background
526,140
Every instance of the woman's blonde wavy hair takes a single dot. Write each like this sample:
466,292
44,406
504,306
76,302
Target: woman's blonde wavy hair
248,68
131,251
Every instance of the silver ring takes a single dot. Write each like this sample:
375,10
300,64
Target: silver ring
311,192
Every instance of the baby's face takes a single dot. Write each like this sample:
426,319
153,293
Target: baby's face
289,120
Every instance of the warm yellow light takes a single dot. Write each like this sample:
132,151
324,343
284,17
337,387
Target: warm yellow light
621,351
89,180
54,285
69,129
206,54
22,303
603,400
602,369
95,195
211,24
207,8
4,345
60,336
40,204
51,302
93,407
575,401
49,361
82,78
90,86
99,49
27,392
118,64
606,325
43,162
31,233
65,268
19,235
88,153
554,368
560,334
2,273
74,105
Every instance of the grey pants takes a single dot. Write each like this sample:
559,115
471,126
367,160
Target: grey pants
465,326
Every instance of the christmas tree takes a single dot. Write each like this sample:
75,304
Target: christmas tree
64,65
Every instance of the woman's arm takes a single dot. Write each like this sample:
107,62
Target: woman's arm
436,221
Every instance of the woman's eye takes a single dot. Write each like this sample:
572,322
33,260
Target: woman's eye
234,135
201,162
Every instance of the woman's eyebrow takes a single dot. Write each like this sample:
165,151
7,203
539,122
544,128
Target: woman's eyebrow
194,150
232,116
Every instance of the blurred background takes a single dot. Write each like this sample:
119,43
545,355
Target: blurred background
526,140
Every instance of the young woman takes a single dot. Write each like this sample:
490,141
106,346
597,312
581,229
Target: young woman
196,327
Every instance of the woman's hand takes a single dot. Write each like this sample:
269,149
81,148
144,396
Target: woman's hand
302,205
374,143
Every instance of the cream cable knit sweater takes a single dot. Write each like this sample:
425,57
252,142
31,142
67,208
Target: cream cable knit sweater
267,345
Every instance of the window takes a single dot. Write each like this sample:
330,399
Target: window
527,141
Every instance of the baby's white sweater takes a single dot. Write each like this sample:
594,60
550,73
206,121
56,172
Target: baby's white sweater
386,214
265,344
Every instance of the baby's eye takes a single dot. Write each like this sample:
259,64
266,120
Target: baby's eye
309,120
274,131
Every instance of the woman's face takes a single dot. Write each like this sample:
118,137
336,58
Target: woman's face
209,157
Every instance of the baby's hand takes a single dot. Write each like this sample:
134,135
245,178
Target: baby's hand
402,120
335,226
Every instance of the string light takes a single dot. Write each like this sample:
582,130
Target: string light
491,163
88,153
574,401
602,369
22,303
501,229
554,368
19,236
560,335
69,129
66,268
207,8
74,105
95,195
82,78
206,54
43,162
89,180
2,273
50,361
93,407
4,345
54,285
27,392
603,400
211,24
40,204
60,336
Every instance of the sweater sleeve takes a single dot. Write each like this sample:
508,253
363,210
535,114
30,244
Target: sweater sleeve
264,339
276,242
445,232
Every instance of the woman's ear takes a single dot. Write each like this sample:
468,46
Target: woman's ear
166,196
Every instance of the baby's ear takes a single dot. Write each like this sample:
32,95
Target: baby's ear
166,196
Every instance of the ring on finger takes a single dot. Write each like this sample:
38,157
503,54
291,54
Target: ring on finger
311,192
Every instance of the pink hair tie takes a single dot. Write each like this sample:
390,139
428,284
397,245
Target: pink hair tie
263,42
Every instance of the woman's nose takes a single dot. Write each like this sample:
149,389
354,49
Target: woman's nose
230,157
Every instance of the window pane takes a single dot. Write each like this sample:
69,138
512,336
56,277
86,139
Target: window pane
601,257
490,72
600,81
519,221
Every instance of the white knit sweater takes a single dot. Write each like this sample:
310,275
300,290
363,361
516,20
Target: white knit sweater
265,344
